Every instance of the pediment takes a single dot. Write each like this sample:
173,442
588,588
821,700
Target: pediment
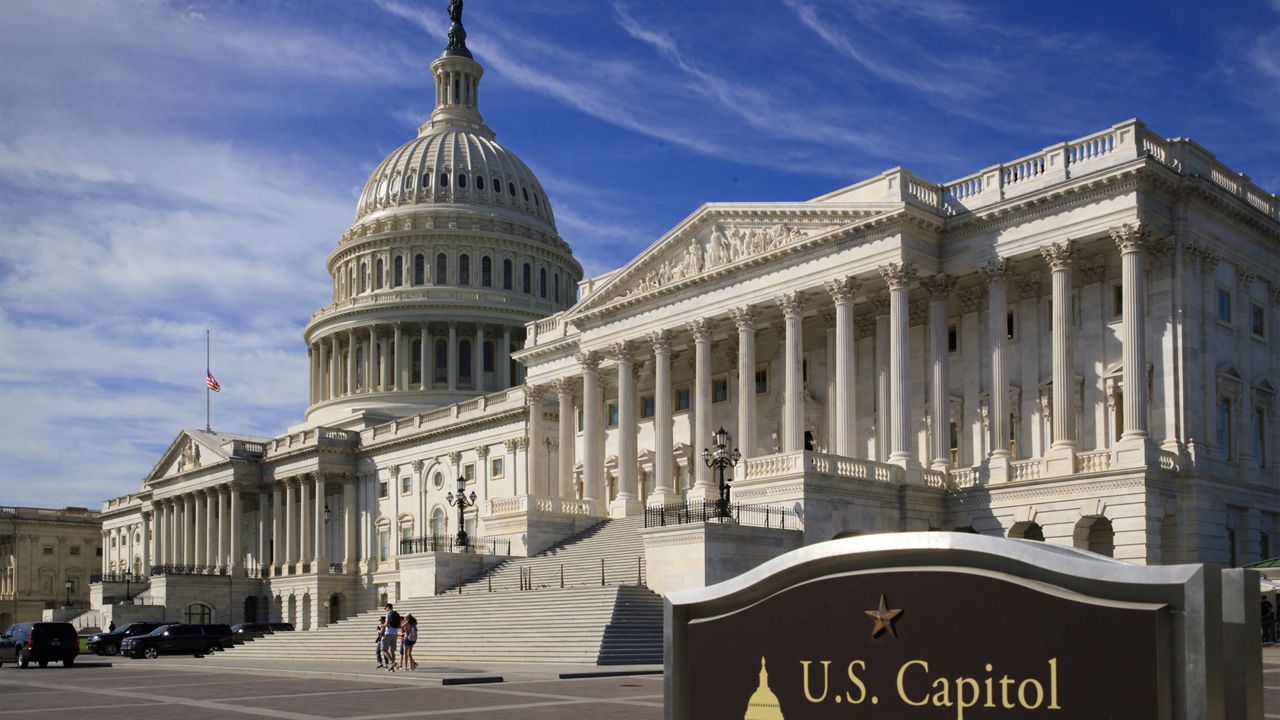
720,239
190,450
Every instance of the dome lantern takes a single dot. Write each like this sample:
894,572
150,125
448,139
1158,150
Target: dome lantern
457,77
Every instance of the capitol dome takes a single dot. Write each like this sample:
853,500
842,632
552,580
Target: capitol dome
453,252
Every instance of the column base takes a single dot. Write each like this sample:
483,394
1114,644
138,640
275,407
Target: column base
998,469
1060,461
1135,452
663,497
705,493
625,507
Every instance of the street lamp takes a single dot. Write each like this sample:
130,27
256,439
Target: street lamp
326,513
721,458
67,584
128,578
462,502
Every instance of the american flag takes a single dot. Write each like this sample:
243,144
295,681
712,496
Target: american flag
212,382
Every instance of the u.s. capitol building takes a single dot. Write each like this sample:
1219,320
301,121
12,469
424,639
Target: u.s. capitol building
1077,346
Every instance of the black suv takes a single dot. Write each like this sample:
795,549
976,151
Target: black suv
259,629
197,640
108,643
39,642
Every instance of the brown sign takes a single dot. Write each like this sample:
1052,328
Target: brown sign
921,644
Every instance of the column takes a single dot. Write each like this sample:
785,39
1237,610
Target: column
539,482
568,432
793,373
477,359
202,531
423,343
846,368
453,355
1061,259
398,373
290,525
224,544
703,486
312,395
351,362
335,371
162,551
305,513
884,409
370,377
627,502
1132,241
277,526
503,358
260,556
321,366
745,320
349,525
996,273
189,531
898,277
146,543
386,382
321,552
939,288
592,455
664,491
235,547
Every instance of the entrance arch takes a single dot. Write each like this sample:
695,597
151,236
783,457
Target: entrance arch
1027,530
1096,534
251,609
335,607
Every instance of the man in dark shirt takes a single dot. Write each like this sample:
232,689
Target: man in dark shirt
391,637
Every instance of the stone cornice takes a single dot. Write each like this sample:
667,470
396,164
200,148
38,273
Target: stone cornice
449,429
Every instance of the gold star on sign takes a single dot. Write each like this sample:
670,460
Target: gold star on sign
884,619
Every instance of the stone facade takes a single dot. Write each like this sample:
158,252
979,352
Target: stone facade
40,551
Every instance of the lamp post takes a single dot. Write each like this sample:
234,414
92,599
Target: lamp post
128,578
67,584
720,459
327,515
462,502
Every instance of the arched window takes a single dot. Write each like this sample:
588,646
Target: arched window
1096,534
419,269
464,269
486,271
536,202
555,284
525,191
360,364
426,180
442,361
438,522
542,282
198,614
526,280
1027,531
364,275
479,182
488,356
464,361
462,181
398,272
444,180
506,274
511,187
377,275
442,269
415,369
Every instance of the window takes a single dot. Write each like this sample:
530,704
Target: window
1231,547
469,472
364,274
438,522
479,182
360,364
525,192
98,551
442,361
198,614
437,480
1257,320
377,275
489,352
406,484
1011,327
1264,542
426,180
542,282
462,181
580,419
953,336
444,180
506,275
398,272
762,381
682,399
384,544
719,389
1224,427
486,271
647,407
1260,436
419,269
464,269
1117,301
464,361
75,549
612,411
1224,306
442,269
496,468
406,530
955,443
46,550
511,188
383,490
526,280
555,286
415,371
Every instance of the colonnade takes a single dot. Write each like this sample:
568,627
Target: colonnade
297,526
200,529
895,411
121,547
380,358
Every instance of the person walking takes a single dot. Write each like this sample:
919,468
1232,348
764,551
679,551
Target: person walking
391,637
410,637
377,644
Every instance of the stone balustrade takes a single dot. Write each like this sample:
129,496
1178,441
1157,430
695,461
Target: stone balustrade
521,504
803,461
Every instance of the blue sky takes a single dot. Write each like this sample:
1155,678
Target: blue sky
171,167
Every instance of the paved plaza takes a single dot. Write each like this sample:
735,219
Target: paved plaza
223,687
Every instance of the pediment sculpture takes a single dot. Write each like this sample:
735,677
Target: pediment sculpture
190,458
727,244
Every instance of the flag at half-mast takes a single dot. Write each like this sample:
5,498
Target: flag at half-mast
211,381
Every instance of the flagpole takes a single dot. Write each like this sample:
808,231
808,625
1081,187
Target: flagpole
208,425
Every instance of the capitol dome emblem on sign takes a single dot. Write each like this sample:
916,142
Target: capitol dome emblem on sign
763,704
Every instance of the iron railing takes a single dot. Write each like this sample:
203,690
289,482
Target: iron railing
158,570
697,511
449,544
117,579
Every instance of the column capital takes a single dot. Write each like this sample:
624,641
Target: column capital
453,325
898,275
699,328
418,465
744,317
1130,238
589,360
534,394
842,289
660,340
1209,259
455,458
482,451
510,444
1245,277
564,387
938,286
620,351
792,304
1273,290
997,271
394,470
1059,256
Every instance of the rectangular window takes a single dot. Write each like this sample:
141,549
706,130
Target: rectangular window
955,443
1224,427
612,411
75,549
383,490
579,419
469,472
1260,436
98,551
804,371
647,408
953,336
1224,306
384,544
496,468
406,484
406,531
1011,327
1117,301
47,550
682,399
1231,547
719,390
1257,320
762,381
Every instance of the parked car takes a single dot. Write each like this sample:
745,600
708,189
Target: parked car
39,643
251,630
108,643
197,640
281,627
